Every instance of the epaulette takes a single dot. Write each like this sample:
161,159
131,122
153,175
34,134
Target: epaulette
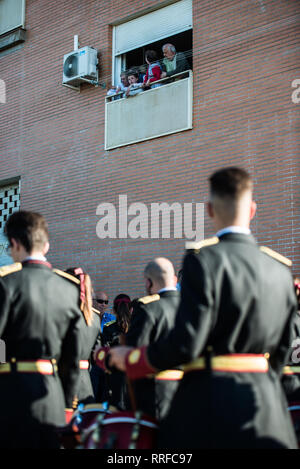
148,299
196,246
75,403
96,311
9,269
67,276
276,255
109,323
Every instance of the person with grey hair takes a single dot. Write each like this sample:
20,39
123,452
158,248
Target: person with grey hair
173,62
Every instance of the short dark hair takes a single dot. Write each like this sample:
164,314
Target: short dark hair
230,182
29,228
151,55
133,73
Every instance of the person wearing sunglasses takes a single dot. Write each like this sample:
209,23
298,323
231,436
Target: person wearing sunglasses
101,303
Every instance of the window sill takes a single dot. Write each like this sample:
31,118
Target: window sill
12,38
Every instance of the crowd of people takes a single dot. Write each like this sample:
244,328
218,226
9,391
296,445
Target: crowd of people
211,361
137,79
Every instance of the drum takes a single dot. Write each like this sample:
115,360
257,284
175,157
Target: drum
82,418
121,430
294,409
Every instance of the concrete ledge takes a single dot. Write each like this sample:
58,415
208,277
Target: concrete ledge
150,114
12,38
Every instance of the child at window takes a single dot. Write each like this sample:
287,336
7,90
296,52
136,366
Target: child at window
134,86
153,71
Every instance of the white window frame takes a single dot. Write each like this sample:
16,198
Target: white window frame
20,24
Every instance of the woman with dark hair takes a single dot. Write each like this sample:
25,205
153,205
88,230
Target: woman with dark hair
113,334
153,71
113,331
90,328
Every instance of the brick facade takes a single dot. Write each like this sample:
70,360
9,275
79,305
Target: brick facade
245,56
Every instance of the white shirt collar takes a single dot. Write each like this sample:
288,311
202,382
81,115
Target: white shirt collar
36,257
233,229
167,289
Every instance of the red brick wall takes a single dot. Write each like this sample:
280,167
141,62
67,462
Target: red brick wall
246,55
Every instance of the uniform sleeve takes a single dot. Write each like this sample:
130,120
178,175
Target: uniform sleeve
4,307
289,344
68,365
291,382
98,343
141,326
193,321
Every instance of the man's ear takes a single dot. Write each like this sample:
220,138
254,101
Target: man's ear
210,209
149,285
253,208
46,248
15,243
175,280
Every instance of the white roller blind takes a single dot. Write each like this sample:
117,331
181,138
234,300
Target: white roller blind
11,14
154,26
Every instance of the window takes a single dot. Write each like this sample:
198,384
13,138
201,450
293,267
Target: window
12,23
9,203
170,103
182,42
172,23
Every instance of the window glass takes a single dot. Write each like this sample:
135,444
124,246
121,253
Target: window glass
12,15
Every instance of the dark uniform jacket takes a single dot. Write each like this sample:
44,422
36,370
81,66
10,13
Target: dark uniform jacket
236,299
89,338
152,319
115,385
291,375
111,334
39,319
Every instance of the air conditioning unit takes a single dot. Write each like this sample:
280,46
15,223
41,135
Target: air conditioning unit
80,66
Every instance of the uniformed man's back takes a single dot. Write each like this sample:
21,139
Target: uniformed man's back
247,319
42,304
153,318
233,334
39,322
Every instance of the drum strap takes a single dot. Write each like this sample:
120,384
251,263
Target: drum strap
131,394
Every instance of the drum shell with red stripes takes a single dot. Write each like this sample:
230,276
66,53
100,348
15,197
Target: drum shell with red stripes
123,430
81,420
294,409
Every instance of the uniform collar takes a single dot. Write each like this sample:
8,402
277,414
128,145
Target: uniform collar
36,257
233,229
237,237
169,293
162,290
38,262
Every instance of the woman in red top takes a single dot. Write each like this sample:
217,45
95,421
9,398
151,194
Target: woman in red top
153,70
